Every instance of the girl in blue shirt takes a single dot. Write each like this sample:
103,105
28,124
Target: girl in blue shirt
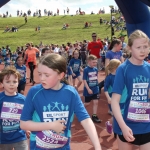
75,67
50,107
131,96
109,81
21,68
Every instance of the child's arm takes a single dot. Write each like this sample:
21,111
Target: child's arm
127,132
72,71
81,69
108,97
57,126
87,87
91,131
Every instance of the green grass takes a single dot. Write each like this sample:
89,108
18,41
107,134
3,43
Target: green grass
51,29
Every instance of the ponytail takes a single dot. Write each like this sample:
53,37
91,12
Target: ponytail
64,80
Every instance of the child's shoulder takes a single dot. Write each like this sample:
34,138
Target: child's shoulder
20,96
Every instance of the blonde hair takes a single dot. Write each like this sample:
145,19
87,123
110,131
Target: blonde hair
92,57
136,35
113,65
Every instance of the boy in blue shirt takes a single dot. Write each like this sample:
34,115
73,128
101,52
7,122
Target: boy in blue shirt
11,105
91,88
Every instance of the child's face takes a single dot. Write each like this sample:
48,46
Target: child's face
76,55
139,49
20,61
49,78
46,52
92,63
118,47
10,85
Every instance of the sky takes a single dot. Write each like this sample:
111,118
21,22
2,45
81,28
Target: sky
52,5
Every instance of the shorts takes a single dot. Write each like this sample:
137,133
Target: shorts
140,139
22,145
21,87
93,97
77,74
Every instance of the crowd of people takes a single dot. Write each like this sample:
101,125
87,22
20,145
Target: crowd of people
43,114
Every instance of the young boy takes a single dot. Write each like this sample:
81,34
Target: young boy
11,104
91,89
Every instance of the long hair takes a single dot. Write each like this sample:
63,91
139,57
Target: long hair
113,65
55,62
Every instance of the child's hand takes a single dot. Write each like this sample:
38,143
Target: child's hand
73,75
28,134
127,133
59,126
90,91
109,101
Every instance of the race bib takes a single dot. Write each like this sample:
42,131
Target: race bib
92,76
139,111
11,111
49,140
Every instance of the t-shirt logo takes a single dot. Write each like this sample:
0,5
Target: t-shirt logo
139,107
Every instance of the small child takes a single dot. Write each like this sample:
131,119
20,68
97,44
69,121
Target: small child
108,84
50,107
11,105
45,51
21,68
131,96
75,67
7,60
91,88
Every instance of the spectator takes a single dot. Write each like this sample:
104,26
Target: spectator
94,48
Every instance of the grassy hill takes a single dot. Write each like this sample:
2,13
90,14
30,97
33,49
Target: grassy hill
51,31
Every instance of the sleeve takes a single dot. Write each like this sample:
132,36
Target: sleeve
106,84
85,74
108,55
89,46
119,82
28,108
79,108
71,63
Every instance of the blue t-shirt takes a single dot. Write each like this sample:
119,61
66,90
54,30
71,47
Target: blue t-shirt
91,77
113,55
133,83
7,61
22,71
47,105
68,73
75,65
10,131
108,84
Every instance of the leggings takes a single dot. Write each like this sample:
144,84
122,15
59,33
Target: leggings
31,67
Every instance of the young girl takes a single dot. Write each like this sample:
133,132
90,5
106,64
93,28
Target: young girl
22,70
114,52
132,110
50,107
109,81
75,67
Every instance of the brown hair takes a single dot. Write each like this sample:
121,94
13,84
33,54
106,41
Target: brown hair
113,64
8,71
55,62
112,44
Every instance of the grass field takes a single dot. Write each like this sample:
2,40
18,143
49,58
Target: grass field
51,29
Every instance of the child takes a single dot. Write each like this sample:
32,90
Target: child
91,89
21,68
109,81
69,75
50,107
11,104
7,60
45,51
132,82
75,67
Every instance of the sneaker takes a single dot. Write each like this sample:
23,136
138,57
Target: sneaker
96,119
109,127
